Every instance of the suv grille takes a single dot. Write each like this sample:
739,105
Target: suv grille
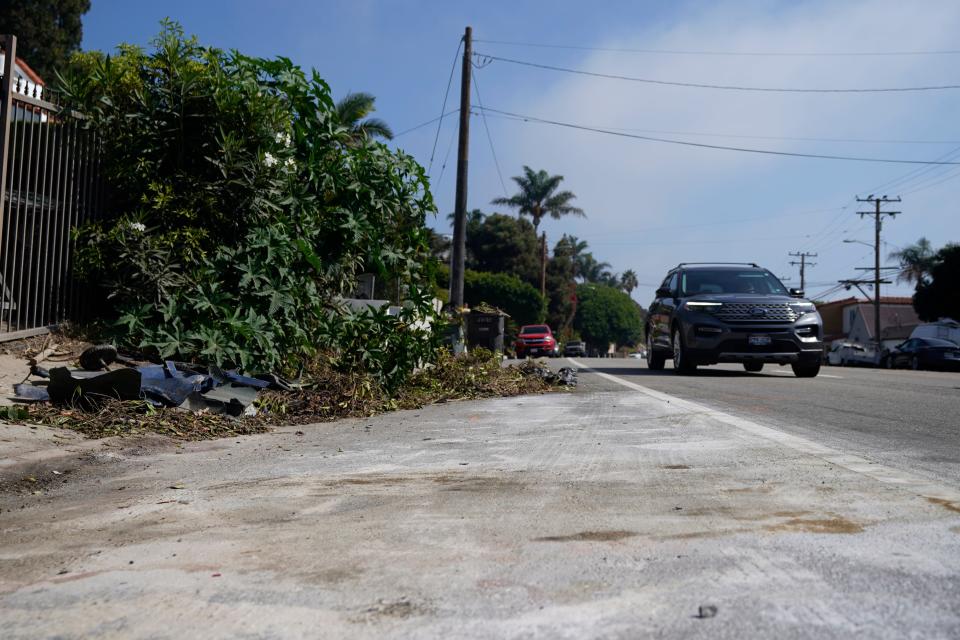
760,312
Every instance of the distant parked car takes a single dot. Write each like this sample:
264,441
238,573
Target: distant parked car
575,349
923,353
536,340
844,354
640,354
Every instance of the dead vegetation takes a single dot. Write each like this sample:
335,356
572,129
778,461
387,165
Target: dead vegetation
331,395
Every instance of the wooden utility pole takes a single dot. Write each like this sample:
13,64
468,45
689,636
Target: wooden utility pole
460,203
543,265
803,266
878,225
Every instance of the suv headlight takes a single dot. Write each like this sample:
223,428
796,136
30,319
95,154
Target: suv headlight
803,308
694,305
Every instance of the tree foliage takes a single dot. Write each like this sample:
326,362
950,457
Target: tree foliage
606,314
628,281
47,31
538,197
353,109
939,296
504,244
561,286
244,212
506,292
916,261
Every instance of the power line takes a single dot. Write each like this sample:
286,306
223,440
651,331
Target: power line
446,157
683,52
700,85
423,124
493,152
823,237
791,214
703,145
443,108
759,137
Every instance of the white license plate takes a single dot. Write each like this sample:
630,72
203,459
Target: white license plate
758,341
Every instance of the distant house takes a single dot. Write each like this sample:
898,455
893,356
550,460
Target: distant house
832,315
852,320
898,319
25,81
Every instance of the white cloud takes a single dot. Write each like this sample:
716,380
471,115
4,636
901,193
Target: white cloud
629,186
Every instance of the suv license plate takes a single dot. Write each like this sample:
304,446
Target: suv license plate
758,341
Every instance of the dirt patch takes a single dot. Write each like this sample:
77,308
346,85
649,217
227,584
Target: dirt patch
376,480
674,466
400,608
697,535
946,504
589,536
763,488
817,525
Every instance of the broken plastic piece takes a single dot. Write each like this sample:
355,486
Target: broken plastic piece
123,384
30,392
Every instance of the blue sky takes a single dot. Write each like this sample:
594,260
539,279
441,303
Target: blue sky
649,205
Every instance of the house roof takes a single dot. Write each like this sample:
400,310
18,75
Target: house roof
837,303
895,300
28,71
22,70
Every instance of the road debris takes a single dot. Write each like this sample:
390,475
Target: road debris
707,611
197,402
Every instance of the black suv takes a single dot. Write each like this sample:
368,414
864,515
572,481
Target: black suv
710,313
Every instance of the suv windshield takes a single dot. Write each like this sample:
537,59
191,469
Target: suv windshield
538,328
705,281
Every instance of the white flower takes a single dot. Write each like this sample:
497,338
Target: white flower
269,159
283,138
290,163
138,226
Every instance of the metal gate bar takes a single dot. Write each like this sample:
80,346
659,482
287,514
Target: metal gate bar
49,185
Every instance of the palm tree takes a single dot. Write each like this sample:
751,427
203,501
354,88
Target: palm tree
474,218
628,281
589,270
916,261
352,110
539,198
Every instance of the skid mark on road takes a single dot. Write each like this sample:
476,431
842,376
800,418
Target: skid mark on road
934,492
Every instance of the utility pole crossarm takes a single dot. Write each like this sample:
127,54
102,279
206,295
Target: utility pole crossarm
803,264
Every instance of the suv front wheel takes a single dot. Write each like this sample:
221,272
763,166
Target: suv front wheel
681,360
655,359
806,370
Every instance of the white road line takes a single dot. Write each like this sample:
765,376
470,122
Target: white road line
881,473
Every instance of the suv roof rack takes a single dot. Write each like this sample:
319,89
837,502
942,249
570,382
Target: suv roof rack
749,264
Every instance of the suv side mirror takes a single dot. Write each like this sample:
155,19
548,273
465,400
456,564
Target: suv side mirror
796,293
664,292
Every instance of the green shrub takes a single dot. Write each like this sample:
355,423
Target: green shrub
243,212
605,315
508,293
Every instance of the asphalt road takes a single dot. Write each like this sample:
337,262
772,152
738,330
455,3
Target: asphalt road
905,419
721,506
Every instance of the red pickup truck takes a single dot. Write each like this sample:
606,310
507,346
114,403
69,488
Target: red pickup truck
536,340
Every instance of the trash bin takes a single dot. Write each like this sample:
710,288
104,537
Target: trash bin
486,330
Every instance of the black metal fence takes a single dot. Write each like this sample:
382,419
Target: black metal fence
49,184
